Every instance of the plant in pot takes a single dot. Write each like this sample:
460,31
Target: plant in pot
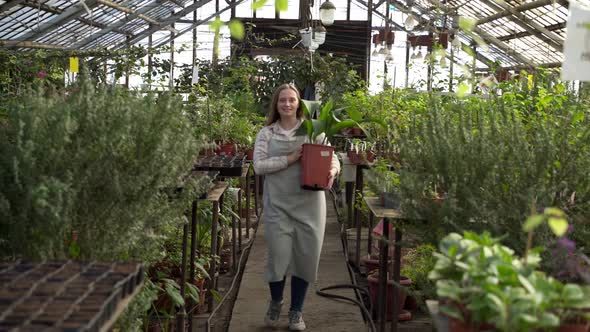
316,158
362,117
420,261
361,152
401,293
386,182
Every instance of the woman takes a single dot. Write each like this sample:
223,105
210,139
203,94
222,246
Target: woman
294,218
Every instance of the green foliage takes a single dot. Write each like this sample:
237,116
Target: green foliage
491,160
260,78
496,287
93,162
327,124
420,261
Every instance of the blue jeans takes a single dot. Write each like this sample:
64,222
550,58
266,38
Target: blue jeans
298,290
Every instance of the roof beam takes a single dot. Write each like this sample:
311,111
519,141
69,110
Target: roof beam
69,14
30,44
128,10
9,4
517,68
176,2
489,38
424,22
195,24
521,8
115,25
167,21
387,19
35,4
521,34
531,26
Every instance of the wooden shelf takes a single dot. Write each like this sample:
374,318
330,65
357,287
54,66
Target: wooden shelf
380,211
215,193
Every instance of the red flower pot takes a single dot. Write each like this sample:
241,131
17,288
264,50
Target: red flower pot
372,263
227,149
250,154
574,327
315,166
401,295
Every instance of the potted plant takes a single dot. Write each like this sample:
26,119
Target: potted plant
373,280
360,152
316,158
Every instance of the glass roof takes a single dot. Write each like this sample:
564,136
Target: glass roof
85,24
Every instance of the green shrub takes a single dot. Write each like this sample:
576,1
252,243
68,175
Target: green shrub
92,163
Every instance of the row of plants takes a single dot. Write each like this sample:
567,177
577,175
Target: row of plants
484,285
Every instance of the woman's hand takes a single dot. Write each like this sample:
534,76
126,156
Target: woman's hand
331,177
294,156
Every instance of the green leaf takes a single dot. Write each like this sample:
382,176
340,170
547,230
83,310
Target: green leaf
354,114
326,111
467,24
462,89
309,107
216,24
281,5
236,29
526,284
533,222
257,4
558,225
572,292
172,289
348,123
193,292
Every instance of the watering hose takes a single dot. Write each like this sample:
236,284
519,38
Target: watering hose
358,301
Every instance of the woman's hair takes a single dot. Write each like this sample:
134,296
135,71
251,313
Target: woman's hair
273,113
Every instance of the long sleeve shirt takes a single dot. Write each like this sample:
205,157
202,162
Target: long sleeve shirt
263,164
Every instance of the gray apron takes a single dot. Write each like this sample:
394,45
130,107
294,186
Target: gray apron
294,219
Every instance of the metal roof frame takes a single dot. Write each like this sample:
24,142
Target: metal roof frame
536,26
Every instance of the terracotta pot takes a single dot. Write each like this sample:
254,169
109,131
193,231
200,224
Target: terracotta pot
574,327
315,166
372,263
227,149
411,303
401,295
250,154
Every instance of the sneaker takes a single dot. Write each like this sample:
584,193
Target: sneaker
273,313
296,322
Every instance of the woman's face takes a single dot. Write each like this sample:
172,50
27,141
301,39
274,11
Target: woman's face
288,104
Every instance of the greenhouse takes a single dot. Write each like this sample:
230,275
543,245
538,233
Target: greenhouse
330,165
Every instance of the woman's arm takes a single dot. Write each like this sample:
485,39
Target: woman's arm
262,163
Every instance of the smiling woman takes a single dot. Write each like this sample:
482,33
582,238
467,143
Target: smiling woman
294,219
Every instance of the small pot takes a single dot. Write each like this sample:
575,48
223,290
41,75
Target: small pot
401,295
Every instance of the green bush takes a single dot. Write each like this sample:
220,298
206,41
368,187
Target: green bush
92,163
482,164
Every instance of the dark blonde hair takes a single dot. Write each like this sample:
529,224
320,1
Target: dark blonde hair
273,113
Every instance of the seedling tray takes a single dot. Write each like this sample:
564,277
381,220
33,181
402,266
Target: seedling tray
65,295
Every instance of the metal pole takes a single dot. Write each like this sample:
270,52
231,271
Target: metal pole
171,83
407,63
191,277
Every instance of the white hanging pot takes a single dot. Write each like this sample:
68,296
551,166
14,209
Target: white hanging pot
306,37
